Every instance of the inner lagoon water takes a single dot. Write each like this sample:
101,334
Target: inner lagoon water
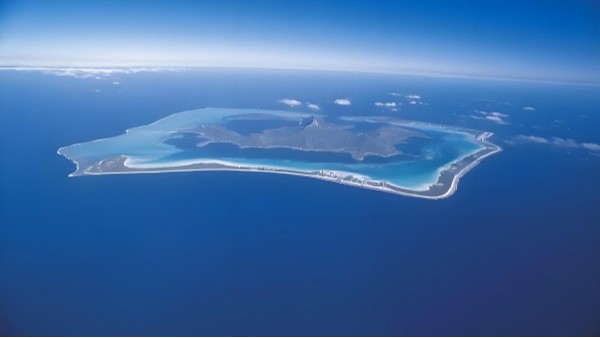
147,146
513,252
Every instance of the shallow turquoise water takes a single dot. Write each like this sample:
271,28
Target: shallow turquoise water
145,146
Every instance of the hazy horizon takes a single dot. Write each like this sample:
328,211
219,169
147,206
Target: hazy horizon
525,41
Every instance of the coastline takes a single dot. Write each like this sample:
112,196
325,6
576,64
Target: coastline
445,186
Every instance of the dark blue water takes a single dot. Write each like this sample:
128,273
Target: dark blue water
514,252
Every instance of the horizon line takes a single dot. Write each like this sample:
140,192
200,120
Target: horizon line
417,73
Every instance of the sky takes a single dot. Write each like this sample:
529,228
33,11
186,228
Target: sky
540,40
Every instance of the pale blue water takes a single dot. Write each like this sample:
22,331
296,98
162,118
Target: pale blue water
145,147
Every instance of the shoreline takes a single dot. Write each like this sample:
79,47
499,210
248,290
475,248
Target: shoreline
437,182
444,187
489,146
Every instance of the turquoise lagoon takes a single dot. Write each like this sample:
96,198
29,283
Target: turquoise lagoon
417,166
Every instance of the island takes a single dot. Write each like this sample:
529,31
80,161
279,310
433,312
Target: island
381,153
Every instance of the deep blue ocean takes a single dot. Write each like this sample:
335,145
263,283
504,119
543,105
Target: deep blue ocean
514,252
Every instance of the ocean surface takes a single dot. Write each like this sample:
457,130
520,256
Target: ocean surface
513,252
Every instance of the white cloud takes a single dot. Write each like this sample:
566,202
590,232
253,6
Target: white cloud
497,114
531,138
591,146
116,83
88,73
342,102
71,73
413,99
385,104
564,143
290,102
313,106
556,142
529,108
496,117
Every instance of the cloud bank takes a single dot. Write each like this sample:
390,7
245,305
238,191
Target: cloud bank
87,73
555,142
